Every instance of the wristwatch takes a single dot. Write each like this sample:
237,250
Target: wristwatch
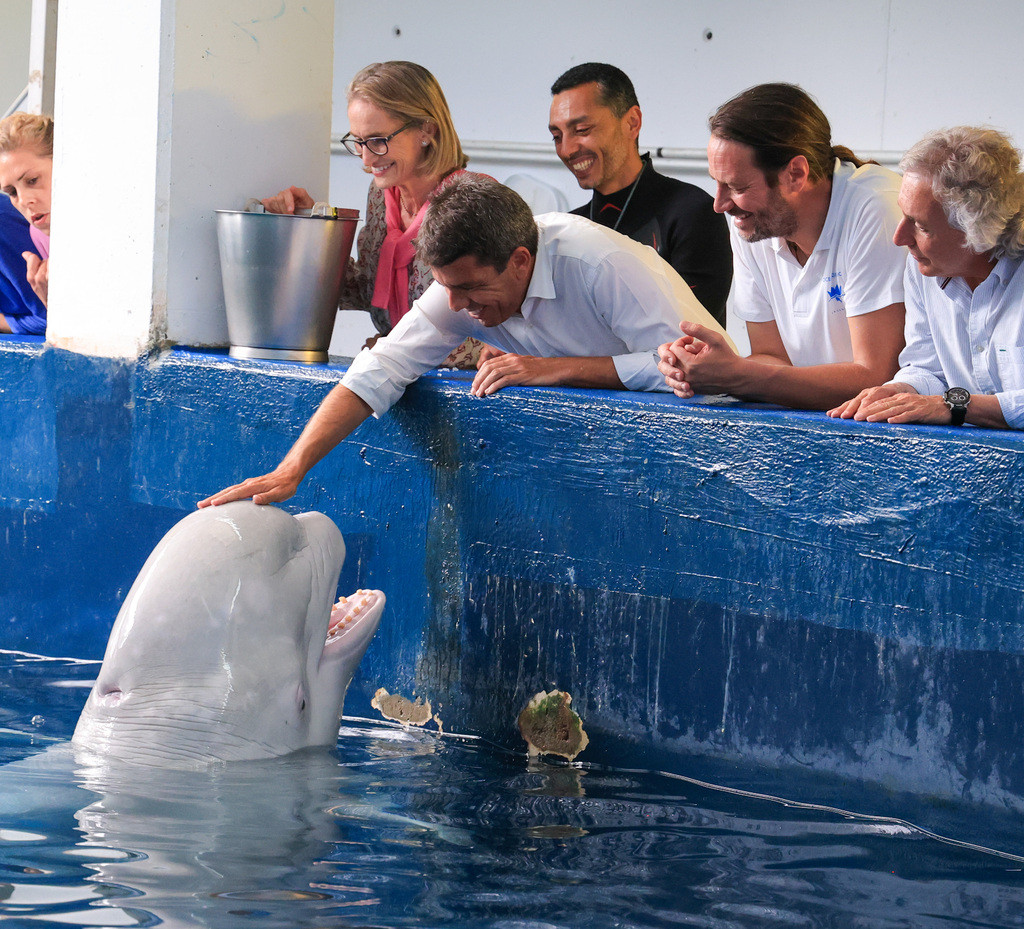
957,398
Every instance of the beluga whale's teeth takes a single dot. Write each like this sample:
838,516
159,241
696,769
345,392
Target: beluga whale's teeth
354,610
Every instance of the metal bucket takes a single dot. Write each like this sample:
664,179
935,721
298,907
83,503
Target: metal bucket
282,279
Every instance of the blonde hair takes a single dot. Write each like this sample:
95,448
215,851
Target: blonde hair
21,130
409,92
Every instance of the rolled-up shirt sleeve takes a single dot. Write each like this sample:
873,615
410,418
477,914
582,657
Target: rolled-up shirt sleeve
959,337
1011,403
639,371
643,305
422,339
592,293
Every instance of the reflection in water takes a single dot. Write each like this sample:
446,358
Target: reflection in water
215,842
411,829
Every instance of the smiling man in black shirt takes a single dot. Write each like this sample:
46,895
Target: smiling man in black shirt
595,123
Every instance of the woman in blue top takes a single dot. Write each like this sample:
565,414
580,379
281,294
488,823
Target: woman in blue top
26,161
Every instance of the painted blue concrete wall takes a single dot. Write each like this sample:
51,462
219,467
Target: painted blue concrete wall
703,577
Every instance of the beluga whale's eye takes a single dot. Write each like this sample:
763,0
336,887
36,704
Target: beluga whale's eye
109,696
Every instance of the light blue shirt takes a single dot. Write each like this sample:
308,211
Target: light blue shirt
957,337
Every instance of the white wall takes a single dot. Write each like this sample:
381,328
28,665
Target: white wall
14,33
885,71
884,76
217,99
251,83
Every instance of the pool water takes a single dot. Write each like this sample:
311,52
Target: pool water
396,828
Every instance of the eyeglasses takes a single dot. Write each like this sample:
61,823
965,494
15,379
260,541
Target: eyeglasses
378,145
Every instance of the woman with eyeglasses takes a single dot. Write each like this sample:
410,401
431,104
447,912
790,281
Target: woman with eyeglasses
401,128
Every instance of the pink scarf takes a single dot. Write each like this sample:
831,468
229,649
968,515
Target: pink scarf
391,287
41,241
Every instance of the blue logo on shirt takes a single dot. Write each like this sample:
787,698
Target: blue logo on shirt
836,293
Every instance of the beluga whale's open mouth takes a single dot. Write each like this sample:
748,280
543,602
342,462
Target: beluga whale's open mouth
350,612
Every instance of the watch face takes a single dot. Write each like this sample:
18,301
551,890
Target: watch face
957,395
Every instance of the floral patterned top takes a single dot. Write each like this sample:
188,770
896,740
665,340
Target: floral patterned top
362,275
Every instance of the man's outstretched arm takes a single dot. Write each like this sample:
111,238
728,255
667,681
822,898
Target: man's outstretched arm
339,414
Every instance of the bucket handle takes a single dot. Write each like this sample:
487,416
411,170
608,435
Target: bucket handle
320,208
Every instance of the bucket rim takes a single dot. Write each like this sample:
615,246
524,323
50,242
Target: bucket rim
341,213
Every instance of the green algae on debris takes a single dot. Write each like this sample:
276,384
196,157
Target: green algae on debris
551,727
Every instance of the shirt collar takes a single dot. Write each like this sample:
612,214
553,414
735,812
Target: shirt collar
999,276
1005,269
841,172
542,281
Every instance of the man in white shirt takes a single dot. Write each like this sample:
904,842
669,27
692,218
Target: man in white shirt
962,199
568,303
817,278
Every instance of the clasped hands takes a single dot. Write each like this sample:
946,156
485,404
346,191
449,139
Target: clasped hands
700,361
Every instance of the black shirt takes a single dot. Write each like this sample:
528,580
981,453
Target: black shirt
679,221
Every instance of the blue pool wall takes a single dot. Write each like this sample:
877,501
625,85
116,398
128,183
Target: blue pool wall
705,578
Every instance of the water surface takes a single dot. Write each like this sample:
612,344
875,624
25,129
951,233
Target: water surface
411,829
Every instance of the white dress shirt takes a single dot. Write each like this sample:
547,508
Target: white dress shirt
957,337
593,293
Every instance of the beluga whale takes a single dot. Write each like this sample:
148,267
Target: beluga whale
229,645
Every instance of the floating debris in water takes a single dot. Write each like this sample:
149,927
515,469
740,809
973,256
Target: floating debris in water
550,727
403,710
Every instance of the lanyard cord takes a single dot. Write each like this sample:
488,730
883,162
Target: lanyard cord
625,206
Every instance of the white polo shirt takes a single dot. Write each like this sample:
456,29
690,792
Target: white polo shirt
854,269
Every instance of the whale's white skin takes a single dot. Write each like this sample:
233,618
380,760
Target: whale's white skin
218,652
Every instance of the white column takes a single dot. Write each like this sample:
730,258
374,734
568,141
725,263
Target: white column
167,110
42,56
